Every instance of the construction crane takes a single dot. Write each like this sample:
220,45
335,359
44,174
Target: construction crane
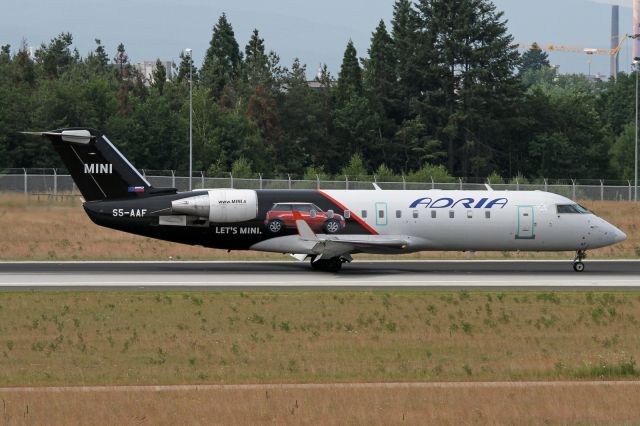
573,49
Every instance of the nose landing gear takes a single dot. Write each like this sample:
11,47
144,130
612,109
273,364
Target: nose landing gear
578,265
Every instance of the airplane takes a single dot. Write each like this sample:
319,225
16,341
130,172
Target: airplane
325,226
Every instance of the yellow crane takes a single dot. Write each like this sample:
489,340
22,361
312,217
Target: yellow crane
574,49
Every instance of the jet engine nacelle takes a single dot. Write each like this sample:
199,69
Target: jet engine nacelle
220,205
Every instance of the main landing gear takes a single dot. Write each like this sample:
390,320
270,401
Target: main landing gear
333,264
578,265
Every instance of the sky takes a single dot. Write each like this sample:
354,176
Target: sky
313,31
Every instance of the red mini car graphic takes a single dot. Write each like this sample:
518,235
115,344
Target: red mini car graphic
281,216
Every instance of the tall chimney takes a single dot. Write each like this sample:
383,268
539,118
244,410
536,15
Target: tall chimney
615,39
636,29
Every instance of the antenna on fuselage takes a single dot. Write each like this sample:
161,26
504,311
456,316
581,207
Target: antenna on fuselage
489,188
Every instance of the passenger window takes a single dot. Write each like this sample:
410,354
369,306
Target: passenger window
381,214
487,214
415,214
469,214
451,214
398,214
433,214
347,214
364,214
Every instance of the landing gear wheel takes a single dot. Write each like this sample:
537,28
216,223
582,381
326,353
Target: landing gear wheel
578,265
275,226
331,226
327,265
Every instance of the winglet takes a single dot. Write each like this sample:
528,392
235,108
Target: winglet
304,230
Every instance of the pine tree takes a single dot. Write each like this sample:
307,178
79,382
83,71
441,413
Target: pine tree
404,31
469,87
350,76
534,59
379,71
122,61
185,68
222,62
159,76
56,57
256,61
98,59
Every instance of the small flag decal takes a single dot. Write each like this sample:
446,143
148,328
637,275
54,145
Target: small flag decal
136,189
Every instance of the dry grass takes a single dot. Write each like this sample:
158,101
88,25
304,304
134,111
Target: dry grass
58,229
586,404
50,338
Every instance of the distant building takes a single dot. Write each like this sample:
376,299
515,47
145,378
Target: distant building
146,68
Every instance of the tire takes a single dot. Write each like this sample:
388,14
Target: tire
331,226
578,266
327,265
275,226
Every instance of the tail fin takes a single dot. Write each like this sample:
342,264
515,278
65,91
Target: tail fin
97,167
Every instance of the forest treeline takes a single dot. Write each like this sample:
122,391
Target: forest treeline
441,91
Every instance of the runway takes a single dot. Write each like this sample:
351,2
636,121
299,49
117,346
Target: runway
296,276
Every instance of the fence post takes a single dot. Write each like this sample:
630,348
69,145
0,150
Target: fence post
629,189
601,190
433,184
317,181
517,184
201,179
144,174
260,174
546,186
55,182
173,178
460,179
404,183
25,180
231,177
346,182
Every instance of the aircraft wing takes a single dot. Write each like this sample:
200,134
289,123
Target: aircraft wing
340,245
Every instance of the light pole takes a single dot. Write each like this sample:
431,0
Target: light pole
635,162
189,53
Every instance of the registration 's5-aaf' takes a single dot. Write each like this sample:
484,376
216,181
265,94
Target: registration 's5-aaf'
325,226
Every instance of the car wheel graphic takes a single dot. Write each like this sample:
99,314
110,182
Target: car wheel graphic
275,226
332,226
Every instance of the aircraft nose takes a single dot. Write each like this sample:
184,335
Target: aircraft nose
618,235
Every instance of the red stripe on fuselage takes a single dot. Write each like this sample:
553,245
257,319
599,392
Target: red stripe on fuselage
352,214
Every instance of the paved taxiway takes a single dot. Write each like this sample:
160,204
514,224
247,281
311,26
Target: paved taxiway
436,274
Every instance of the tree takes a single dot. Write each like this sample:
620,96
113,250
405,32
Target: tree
56,57
223,58
159,76
186,68
355,168
257,69
122,61
350,76
98,59
534,59
469,103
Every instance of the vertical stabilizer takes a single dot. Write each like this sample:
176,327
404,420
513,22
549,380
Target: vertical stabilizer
98,169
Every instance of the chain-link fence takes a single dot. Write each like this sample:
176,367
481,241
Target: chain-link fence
57,181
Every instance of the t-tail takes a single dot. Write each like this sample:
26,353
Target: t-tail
98,169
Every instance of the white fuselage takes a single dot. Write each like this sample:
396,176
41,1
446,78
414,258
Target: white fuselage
478,220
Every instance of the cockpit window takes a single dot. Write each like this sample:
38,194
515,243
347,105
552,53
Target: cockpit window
571,208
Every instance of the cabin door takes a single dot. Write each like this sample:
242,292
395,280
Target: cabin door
525,223
381,214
